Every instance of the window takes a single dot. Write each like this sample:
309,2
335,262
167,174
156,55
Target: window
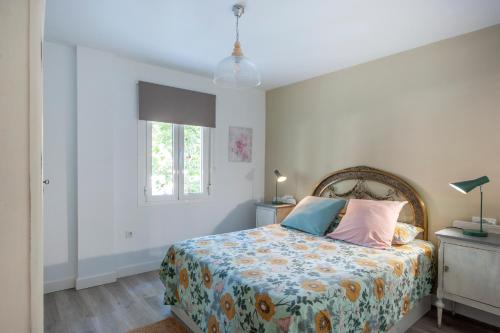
174,161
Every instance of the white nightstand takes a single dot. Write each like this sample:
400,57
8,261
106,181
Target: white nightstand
268,213
468,271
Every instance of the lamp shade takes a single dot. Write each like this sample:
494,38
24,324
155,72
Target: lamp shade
468,185
237,72
279,177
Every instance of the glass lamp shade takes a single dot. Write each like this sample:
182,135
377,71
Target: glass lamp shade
236,72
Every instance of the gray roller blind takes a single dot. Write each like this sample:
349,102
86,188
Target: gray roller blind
175,105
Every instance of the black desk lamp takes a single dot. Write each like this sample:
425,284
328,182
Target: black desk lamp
465,187
279,179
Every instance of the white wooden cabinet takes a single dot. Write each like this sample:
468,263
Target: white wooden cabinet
468,270
268,213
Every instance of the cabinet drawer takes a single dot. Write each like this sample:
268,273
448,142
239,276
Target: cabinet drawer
265,216
472,273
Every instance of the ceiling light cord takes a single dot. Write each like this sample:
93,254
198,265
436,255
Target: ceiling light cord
237,28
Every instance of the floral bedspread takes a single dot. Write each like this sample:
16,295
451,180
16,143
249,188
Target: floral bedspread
273,279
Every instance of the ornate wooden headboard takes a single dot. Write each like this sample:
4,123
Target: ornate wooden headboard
368,183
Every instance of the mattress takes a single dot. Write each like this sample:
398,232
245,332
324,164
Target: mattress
274,279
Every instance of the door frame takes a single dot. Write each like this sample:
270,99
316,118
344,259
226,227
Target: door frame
35,99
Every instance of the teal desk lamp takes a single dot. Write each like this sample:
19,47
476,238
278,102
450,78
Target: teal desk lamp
279,179
465,187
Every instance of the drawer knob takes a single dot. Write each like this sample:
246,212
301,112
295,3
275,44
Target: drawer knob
446,268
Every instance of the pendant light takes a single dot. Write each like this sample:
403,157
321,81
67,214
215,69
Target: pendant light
237,71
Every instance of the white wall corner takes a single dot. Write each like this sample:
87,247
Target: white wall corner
57,285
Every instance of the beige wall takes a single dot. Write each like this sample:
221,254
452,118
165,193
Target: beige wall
430,115
14,167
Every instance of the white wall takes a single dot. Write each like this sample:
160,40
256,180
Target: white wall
107,169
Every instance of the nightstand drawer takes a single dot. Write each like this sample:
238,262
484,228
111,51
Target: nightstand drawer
472,273
265,216
268,213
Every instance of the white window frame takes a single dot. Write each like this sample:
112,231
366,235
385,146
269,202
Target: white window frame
144,167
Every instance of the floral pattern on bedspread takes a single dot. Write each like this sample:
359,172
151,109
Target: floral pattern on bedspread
273,279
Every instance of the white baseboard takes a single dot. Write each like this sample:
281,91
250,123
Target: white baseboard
95,280
105,269
470,312
137,268
56,285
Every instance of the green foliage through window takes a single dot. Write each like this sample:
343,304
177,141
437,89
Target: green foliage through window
193,167
162,159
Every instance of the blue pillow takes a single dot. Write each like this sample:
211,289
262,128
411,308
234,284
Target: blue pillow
314,214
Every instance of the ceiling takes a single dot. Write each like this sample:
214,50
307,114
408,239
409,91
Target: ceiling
289,40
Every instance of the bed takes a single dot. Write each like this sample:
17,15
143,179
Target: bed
274,279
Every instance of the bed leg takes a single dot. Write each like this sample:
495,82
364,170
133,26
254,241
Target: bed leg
439,306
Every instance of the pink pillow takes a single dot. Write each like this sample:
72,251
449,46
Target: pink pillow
369,223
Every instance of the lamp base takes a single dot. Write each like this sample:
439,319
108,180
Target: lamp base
475,233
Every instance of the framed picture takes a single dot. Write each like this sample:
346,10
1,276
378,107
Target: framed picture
240,144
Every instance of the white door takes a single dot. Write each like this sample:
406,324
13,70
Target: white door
59,164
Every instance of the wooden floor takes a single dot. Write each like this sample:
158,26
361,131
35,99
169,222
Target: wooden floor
138,300
451,324
117,307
